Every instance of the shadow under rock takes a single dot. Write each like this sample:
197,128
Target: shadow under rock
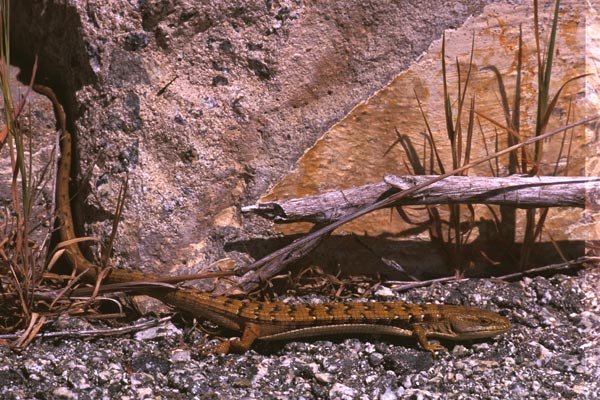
354,255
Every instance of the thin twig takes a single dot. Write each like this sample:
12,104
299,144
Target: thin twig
551,267
97,332
400,286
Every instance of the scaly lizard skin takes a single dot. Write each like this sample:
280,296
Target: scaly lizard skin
278,320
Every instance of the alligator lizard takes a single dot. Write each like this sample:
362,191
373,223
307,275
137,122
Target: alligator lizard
279,320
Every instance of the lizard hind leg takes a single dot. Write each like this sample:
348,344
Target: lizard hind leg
250,334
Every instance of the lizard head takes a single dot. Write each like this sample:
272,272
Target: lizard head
475,323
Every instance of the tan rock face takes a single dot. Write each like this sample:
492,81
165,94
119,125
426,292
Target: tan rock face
365,145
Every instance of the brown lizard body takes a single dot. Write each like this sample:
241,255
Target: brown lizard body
279,320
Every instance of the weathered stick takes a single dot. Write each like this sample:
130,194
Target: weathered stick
519,191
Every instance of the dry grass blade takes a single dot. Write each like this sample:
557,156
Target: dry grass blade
516,115
555,98
430,136
544,73
510,118
447,102
20,256
35,324
570,114
118,213
69,242
503,95
19,108
69,287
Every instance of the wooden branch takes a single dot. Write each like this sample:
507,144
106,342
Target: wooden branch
515,190
320,208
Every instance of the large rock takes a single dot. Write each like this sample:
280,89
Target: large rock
206,106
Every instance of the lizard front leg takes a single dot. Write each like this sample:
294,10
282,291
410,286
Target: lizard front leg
420,334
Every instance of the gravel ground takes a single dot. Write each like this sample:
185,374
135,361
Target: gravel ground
551,352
